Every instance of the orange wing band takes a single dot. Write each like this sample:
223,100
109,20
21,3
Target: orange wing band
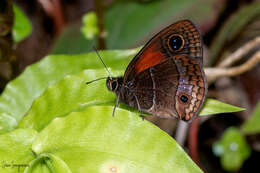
148,59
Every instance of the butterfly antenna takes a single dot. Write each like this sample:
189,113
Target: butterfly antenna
109,74
89,82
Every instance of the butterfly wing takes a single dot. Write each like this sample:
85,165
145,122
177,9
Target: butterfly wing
166,77
157,49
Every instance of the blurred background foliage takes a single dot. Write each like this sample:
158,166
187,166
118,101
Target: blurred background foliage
75,26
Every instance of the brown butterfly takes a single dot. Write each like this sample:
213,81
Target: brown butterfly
166,77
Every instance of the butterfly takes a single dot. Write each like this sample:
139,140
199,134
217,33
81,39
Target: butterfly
166,77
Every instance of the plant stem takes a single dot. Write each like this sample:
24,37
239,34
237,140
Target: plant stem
99,10
193,140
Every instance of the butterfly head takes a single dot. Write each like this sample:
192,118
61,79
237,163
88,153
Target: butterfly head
114,83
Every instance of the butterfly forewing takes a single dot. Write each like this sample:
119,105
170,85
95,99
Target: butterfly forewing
158,50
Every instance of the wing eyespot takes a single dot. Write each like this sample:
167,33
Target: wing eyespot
176,42
184,99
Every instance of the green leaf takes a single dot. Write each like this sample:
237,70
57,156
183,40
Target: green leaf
22,26
37,166
68,95
90,26
251,126
47,163
232,149
15,150
212,106
94,141
19,94
7,122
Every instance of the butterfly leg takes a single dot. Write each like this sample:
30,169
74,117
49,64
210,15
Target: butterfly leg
139,108
116,105
142,117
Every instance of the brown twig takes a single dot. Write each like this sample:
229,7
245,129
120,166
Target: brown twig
214,73
99,8
224,69
237,55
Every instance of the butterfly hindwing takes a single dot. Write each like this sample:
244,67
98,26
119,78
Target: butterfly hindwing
160,88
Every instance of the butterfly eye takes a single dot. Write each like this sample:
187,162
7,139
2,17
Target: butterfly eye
113,85
184,99
176,42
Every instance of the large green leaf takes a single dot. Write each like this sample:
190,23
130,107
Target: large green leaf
20,93
72,93
15,150
94,141
68,95
252,125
